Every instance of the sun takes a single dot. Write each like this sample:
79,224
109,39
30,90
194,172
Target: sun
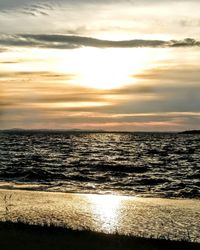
108,68
103,69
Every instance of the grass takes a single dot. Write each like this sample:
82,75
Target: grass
23,236
7,205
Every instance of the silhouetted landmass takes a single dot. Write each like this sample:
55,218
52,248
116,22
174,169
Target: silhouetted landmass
19,130
20,236
190,132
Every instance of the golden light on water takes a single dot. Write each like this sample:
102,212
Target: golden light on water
107,209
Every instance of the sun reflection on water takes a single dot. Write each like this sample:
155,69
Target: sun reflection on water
106,210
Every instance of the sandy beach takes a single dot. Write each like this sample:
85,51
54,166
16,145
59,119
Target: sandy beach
146,217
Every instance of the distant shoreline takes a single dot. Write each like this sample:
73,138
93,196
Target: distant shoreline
83,131
19,130
190,132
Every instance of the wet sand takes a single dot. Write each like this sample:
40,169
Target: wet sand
145,217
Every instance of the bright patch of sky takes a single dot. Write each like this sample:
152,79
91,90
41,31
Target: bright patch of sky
113,65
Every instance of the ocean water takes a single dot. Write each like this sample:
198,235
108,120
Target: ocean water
144,164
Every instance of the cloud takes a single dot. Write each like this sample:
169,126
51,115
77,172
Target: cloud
38,74
103,19
188,42
38,9
184,75
66,119
8,62
3,50
16,3
29,5
71,42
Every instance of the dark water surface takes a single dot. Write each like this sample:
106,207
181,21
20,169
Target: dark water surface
155,164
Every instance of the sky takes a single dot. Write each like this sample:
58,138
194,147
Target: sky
127,65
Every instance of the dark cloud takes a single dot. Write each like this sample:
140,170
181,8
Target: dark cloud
188,42
71,42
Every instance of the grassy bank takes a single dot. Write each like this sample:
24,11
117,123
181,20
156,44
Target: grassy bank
28,237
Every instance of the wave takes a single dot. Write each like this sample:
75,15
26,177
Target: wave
156,164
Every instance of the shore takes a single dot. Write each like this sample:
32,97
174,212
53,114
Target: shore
19,236
103,217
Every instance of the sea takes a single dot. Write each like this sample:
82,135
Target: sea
121,163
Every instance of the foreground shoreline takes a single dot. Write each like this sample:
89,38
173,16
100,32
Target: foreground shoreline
115,216
23,236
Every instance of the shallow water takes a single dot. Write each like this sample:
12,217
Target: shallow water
150,164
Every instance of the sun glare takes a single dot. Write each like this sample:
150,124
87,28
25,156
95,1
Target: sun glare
107,209
106,68
103,69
